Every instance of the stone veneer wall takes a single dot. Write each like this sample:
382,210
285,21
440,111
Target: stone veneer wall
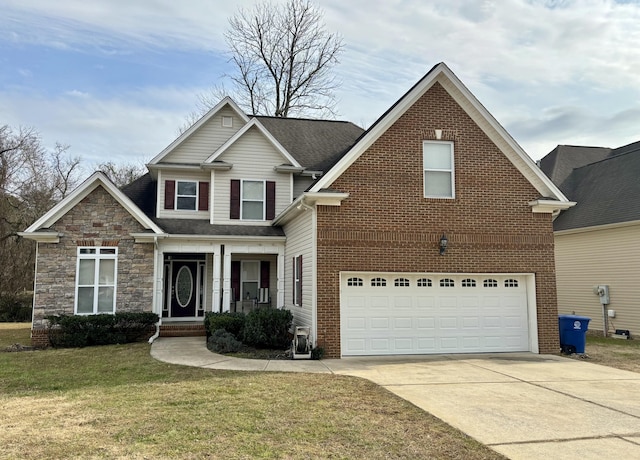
98,220
386,224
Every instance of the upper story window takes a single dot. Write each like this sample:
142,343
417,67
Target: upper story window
437,159
96,280
186,195
252,203
252,200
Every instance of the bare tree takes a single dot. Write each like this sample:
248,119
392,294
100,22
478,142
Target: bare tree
32,180
122,174
284,58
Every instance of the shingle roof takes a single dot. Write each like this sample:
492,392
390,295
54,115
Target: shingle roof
559,163
203,227
315,144
607,191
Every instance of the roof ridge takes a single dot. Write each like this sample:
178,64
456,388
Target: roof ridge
302,119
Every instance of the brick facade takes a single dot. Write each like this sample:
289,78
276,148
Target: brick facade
98,220
387,225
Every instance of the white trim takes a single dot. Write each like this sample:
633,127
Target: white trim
595,228
97,257
89,185
550,206
309,199
451,171
206,117
442,74
176,195
253,123
42,237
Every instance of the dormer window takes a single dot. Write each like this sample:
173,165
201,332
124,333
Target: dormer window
186,195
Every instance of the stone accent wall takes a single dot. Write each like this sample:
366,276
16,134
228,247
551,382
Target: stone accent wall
386,224
98,220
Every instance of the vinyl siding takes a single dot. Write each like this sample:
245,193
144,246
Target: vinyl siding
182,175
609,256
300,184
300,241
206,140
253,157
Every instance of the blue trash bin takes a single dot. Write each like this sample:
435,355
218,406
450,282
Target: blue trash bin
573,333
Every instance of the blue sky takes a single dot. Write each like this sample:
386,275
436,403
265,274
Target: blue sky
115,79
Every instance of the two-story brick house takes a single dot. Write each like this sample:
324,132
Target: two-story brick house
344,227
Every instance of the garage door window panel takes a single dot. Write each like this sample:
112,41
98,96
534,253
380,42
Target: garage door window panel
468,282
490,283
511,283
447,282
401,282
355,282
424,282
378,282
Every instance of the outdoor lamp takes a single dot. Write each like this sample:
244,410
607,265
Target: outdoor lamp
443,244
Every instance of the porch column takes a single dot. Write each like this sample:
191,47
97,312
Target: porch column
226,283
280,280
217,260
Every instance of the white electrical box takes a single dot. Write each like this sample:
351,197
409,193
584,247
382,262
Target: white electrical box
611,313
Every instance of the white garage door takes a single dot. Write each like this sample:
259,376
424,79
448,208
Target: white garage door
391,313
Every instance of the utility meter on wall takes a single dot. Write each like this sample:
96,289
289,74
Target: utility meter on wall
602,290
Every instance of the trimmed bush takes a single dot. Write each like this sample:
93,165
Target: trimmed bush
104,329
16,307
268,328
222,341
233,323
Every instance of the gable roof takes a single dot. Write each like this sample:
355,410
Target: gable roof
559,163
94,181
607,191
227,101
315,144
241,132
478,113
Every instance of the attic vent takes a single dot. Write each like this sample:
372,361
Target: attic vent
227,122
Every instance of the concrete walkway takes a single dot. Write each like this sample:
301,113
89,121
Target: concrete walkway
522,405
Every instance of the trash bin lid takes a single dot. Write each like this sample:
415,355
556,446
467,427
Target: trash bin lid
574,317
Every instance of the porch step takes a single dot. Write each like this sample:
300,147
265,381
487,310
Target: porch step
182,330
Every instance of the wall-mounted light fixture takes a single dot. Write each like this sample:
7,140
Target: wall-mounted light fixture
443,244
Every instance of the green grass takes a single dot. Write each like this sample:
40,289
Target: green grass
118,402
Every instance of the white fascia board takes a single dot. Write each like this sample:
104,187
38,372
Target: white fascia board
206,117
309,200
253,123
173,166
550,206
147,237
41,237
596,228
227,238
89,185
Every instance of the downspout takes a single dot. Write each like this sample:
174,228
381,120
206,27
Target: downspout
155,290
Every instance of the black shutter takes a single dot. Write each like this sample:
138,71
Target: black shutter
235,279
234,212
203,196
264,273
169,194
271,200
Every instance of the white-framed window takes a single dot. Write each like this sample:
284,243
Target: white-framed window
250,279
355,282
468,282
96,276
401,282
297,281
511,283
424,282
252,202
439,176
187,195
447,282
378,282
490,283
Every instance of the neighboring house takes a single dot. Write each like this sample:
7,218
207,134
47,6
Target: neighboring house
598,240
340,226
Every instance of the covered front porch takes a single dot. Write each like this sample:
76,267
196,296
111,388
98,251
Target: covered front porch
195,277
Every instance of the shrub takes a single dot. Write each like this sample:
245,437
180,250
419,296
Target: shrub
317,353
268,328
233,323
222,341
103,329
16,307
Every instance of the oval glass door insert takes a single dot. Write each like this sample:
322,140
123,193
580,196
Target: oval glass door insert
184,286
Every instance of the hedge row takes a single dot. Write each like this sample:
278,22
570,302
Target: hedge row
261,328
103,329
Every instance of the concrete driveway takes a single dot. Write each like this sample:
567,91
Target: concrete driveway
522,405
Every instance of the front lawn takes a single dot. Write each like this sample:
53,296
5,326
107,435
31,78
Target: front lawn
621,354
117,401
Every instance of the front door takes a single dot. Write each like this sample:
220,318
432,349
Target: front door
184,296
